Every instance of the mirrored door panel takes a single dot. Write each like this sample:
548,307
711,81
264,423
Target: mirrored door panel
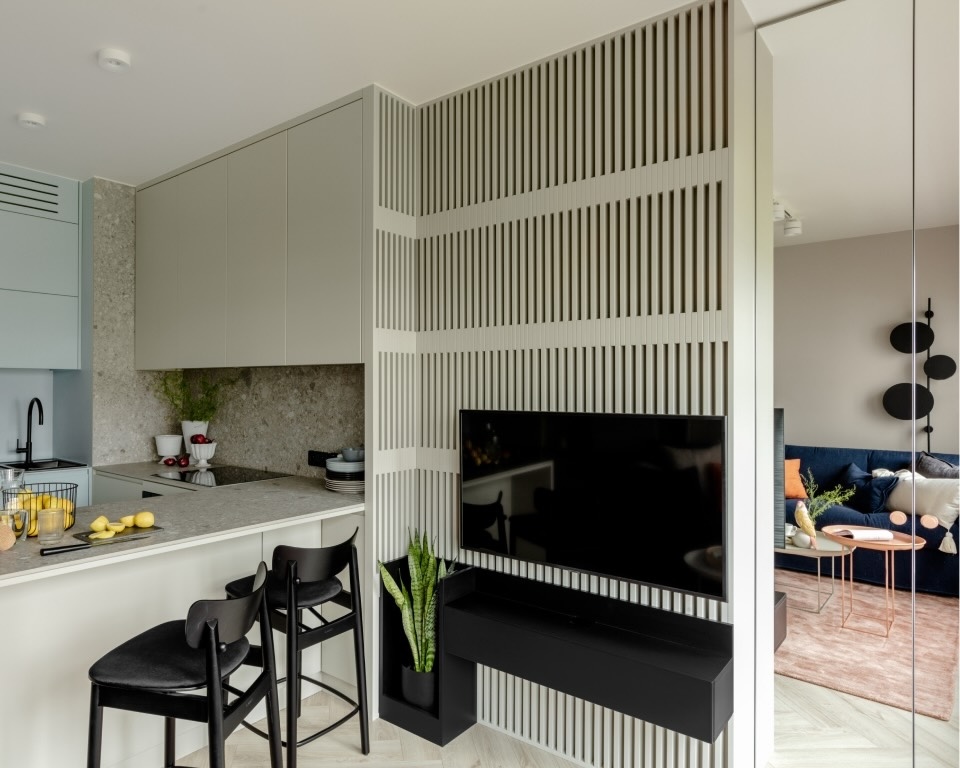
864,208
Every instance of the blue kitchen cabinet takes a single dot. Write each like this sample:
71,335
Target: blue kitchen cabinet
40,268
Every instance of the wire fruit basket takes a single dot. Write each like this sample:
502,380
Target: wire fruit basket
32,497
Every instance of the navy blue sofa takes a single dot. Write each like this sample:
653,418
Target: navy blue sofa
937,572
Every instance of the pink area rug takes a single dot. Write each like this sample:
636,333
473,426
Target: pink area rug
817,650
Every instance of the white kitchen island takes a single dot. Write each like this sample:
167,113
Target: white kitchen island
62,612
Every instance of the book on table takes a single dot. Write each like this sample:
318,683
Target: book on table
864,534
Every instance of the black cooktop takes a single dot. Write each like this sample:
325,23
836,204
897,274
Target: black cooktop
217,475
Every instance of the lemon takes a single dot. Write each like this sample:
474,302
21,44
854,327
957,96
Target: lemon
143,519
34,504
101,535
45,500
128,520
100,524
115,527
65,504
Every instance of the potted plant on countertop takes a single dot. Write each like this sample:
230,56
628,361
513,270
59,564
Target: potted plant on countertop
418,611
195,400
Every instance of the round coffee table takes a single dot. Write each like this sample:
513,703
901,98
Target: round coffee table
898,543
825,548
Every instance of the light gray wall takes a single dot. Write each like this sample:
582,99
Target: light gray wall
835,305
17,387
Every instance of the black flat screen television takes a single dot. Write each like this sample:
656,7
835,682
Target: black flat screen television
636,497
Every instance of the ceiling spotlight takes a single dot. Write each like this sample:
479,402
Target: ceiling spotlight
791,226
31,120
777,211
113,59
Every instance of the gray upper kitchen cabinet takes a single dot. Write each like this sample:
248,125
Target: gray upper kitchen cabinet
324,238
181,269
40,268
256,253
254,258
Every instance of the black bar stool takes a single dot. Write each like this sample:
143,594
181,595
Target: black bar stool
300,581
151,673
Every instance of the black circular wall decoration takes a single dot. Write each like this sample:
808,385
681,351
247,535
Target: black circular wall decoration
900,399
940,367
901,341
897,401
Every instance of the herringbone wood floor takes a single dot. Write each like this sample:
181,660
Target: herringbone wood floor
816,728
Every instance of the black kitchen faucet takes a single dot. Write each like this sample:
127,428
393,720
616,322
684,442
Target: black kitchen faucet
28,448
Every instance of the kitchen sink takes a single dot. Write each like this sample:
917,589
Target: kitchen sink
38,464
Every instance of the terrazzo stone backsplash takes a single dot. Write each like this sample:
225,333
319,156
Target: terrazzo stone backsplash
126,413
271,417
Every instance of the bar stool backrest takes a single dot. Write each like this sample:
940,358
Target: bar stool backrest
314,564
233,617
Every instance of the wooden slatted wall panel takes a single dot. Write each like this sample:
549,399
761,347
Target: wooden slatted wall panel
392,479
570,257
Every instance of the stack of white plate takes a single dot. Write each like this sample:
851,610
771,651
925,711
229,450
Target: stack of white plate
344,476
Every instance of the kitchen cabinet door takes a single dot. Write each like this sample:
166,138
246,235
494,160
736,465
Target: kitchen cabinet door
256,253
324,238
202,225
157,276
39,255
181,267
110,488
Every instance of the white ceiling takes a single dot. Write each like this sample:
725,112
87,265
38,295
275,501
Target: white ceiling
208,73
842,123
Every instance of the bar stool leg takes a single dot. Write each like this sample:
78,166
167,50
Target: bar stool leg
361,683
95,732
169,742
293,680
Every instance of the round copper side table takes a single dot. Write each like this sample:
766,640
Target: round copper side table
900,542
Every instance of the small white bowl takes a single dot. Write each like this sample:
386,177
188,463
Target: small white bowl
352,454
203,452
168,445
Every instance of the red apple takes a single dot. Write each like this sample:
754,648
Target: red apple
170,461
184,461
198,439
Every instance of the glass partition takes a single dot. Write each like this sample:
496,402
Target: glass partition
863,101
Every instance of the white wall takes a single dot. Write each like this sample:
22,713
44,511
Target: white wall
835,305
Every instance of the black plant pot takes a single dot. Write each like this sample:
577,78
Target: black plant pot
418,687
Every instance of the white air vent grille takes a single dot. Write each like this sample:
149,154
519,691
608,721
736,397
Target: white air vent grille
37,194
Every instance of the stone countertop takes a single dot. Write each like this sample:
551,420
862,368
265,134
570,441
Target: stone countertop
187,520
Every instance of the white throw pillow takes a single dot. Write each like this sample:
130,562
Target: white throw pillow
936,496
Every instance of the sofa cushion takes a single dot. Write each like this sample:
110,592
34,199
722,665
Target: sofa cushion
939,497
792,482
870,493
931,466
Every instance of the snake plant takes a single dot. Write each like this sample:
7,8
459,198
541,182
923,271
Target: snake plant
418,604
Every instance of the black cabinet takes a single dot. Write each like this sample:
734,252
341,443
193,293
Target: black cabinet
455,706
664,668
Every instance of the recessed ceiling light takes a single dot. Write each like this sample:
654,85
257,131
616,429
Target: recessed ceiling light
113,59
31,120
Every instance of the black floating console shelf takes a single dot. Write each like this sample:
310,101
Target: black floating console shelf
664,668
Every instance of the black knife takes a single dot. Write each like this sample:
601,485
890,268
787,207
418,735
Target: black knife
97,543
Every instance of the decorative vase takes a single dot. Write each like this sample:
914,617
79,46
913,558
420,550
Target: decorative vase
191,428
802,540
418,687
